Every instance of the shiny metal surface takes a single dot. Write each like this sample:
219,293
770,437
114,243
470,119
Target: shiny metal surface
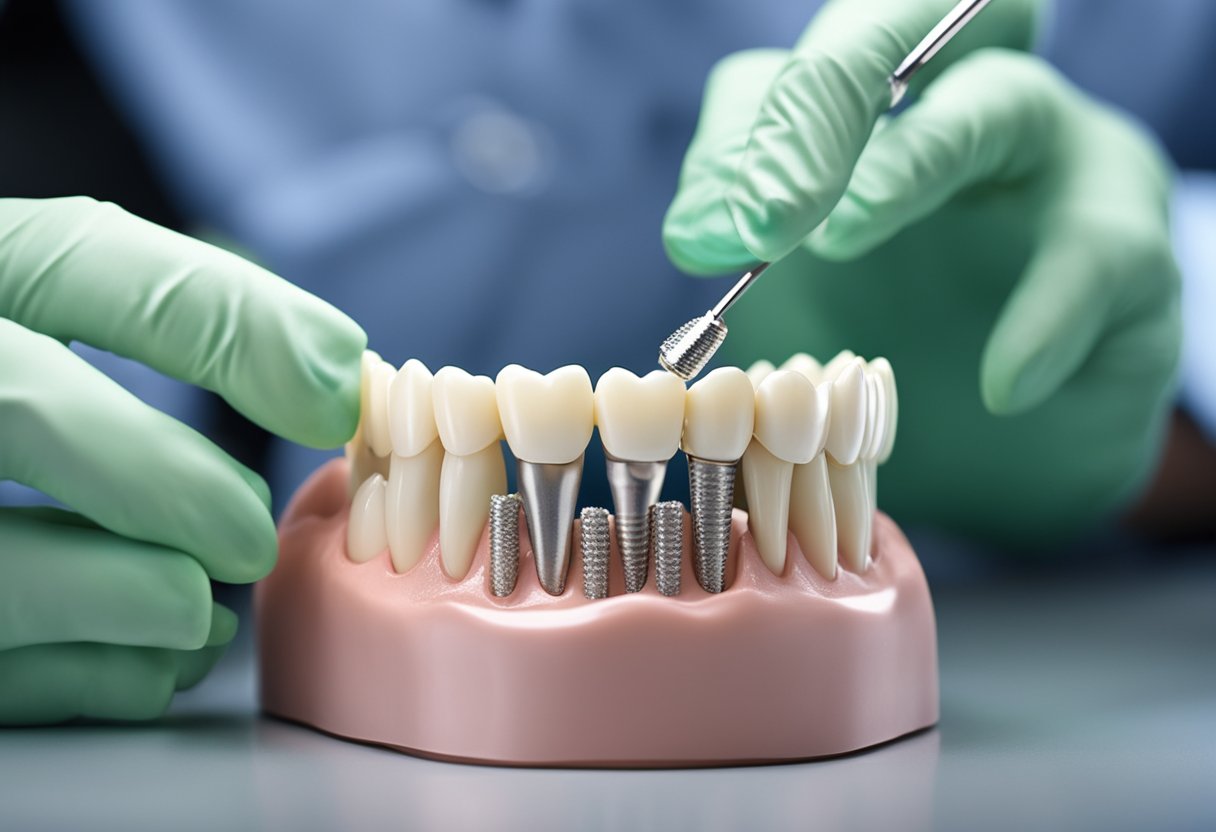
931,44
504,543
687,350
711,488
667,541
595,546
635,488
550,494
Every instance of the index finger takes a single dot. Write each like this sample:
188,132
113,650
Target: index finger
79,269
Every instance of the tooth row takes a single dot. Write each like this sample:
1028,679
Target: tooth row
807,439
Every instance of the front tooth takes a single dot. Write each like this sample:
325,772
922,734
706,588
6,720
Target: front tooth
882,368
719,415
855,422
848,424
640,420
759,371
412,497
812,513
805,364
365,533
466,416
548,422
377,375
411,409
791,422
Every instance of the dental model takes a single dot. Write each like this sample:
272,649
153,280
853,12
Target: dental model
466,416
548,421
640,420
467,653
719,414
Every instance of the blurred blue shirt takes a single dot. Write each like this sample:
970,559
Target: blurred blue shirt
484,181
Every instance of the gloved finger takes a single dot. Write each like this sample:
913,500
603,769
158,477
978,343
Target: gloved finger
820,111
698,231
50,683
1079,291
78,269
194,665
959,134
62,581
76,435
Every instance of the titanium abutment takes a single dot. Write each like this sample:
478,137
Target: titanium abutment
549,492
635,488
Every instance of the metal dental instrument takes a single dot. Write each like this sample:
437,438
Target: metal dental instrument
504,543
635,488
667,536
593,534
687,350
550,493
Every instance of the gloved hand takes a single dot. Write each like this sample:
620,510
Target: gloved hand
1004,241
105,612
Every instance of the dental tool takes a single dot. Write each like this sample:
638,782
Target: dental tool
593,533
504,543
687,350
667,540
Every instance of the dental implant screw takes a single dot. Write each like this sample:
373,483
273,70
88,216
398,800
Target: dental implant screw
667,541
593,528
504,543
712,491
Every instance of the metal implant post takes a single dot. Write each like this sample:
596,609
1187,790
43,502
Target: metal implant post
712,489
549,493
504,543
593,529
667,539
635,488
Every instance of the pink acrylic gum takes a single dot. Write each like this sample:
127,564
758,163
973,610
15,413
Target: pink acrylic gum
775,668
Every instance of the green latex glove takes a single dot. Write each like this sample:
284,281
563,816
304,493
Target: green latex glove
106,612
1004,241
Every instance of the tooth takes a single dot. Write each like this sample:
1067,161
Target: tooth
719,415
548,422
853,427
834,367
377,375
882,368
759,371
791,421
886,408
411,409
365,534
640,420
466,415
362,462
812,513
412,497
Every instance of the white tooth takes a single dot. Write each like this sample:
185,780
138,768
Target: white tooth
547,418
848,423
759,371
412,504
805,364
791,425
882,368
466,411
812,514
411,409
365,533
839,361
362,462
466,415
719,414
851,497
377,375
466,484
640,419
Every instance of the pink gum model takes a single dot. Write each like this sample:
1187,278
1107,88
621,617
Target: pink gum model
776,668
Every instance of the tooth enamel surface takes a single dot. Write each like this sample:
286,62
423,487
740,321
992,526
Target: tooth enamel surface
411,409
759,371
882,368
719,414
466,411
805,364
813,515
547,418
854,517
365,534
791,416
377,375
846,430
766,479
839,361
640,419
411,503
876,416
363,463
466,484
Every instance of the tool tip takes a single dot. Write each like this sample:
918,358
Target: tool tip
687,350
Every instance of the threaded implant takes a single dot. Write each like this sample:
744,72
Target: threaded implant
667,540
633,539
504,543
687,350
712,491
593,535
